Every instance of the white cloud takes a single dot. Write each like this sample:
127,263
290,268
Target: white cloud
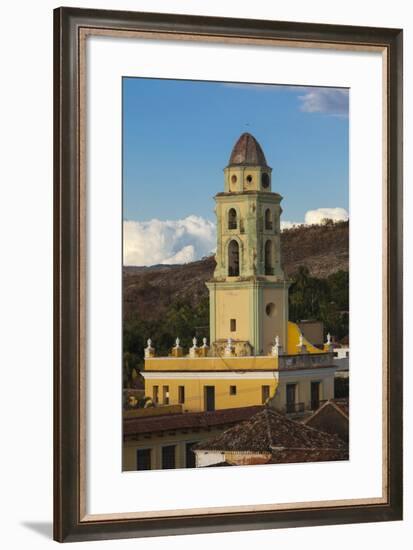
317,216
187,240
331,101
167,242
289,225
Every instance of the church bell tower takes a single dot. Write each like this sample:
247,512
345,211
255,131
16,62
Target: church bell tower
248,291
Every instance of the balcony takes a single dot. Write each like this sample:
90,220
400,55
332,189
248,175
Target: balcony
305,361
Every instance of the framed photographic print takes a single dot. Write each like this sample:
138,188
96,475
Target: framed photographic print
228,223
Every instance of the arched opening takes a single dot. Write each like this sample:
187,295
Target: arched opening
232,218
265,180
233,259
268,219
269,270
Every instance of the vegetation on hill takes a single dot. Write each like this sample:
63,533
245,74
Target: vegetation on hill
322,299
164,302
323,248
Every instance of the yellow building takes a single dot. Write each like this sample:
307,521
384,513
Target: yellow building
256,355
163,441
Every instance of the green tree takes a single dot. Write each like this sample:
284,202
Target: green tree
322,299
181,319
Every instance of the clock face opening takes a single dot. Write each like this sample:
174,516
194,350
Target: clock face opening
270,309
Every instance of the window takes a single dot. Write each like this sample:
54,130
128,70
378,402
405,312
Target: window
143,459
209,398
232,218
265,393
155,394
233,259
233,325
265,180
268,219
165,395
270,309
190,461
181,394
269,270
315,396
168,457
233,390
290,401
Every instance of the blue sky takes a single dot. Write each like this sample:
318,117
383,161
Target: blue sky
178,136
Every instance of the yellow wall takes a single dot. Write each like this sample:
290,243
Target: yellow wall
232,304
224,364
223,207
276,324
248,392
293,340
156,442
242,172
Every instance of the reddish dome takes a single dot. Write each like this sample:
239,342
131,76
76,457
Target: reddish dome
247,151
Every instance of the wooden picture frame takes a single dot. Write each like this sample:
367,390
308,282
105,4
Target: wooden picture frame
71,25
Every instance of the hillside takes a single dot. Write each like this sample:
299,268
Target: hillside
151,290
323,249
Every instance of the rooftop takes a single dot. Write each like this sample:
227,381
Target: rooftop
268,431
247,151
341,405
138,426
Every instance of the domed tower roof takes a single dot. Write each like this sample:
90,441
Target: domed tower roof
247,151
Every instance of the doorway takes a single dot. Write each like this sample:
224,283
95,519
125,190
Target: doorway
290,401
315,395
209,398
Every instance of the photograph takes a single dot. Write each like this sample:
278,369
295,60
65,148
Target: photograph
235,274
227,217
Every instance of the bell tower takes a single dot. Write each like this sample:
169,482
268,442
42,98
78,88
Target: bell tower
248,292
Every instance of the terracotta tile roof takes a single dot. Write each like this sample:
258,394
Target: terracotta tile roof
342,405
289,456
307,455
332,417
270,431
135,426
